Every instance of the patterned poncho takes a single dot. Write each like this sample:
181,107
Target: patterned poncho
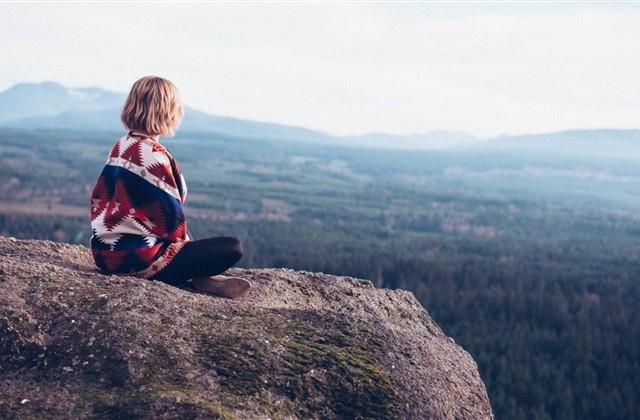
137,218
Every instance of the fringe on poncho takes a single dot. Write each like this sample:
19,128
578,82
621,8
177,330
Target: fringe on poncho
137,218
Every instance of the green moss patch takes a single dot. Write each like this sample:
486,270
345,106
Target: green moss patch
123,403
322,365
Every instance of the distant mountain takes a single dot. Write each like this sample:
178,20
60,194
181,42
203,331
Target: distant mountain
52,105
623,144
194,120
49,99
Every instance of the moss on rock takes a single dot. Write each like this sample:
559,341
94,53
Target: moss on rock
320,364
77,344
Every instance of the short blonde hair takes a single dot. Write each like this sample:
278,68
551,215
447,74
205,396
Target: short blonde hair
154,106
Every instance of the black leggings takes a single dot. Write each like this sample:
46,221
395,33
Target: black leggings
202,257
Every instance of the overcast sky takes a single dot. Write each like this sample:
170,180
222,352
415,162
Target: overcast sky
485,69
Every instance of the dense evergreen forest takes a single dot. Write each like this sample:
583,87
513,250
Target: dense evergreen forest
526,262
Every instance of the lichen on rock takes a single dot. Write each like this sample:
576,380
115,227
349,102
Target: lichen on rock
76,343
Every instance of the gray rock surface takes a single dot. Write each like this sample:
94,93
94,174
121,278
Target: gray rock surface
78,344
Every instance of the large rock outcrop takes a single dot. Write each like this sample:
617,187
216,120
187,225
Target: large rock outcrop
77,344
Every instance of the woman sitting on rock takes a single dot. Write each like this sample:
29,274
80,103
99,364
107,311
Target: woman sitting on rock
137,219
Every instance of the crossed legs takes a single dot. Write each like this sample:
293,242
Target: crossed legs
201,258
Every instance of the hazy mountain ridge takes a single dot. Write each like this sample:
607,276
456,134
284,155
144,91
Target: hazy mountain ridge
581,143
52,105
49,99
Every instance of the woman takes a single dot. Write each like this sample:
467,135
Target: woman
137,217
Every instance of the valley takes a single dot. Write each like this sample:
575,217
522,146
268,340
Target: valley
528,256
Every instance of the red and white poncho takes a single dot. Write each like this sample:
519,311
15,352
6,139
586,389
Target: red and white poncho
137,218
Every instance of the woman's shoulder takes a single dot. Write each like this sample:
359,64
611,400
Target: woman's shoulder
143,139
143,158
144,146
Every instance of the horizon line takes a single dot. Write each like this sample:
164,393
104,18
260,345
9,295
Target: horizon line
344,136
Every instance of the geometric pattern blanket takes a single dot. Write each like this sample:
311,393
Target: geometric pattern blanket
137,218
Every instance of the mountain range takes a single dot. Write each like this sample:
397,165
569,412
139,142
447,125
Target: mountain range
52,105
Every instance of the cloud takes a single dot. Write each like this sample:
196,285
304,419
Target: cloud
348,68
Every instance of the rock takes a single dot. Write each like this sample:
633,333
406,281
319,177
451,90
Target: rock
76,343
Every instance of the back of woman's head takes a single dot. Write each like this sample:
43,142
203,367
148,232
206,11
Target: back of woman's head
153,106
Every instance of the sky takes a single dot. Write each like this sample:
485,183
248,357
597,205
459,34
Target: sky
486,69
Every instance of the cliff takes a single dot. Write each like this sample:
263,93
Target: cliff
76,343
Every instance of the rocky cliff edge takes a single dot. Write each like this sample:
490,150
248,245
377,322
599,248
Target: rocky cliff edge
78,344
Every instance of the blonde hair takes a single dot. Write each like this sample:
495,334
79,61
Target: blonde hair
153,106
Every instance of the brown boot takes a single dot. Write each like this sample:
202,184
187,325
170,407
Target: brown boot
225,286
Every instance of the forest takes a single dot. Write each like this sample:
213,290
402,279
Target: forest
530,261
